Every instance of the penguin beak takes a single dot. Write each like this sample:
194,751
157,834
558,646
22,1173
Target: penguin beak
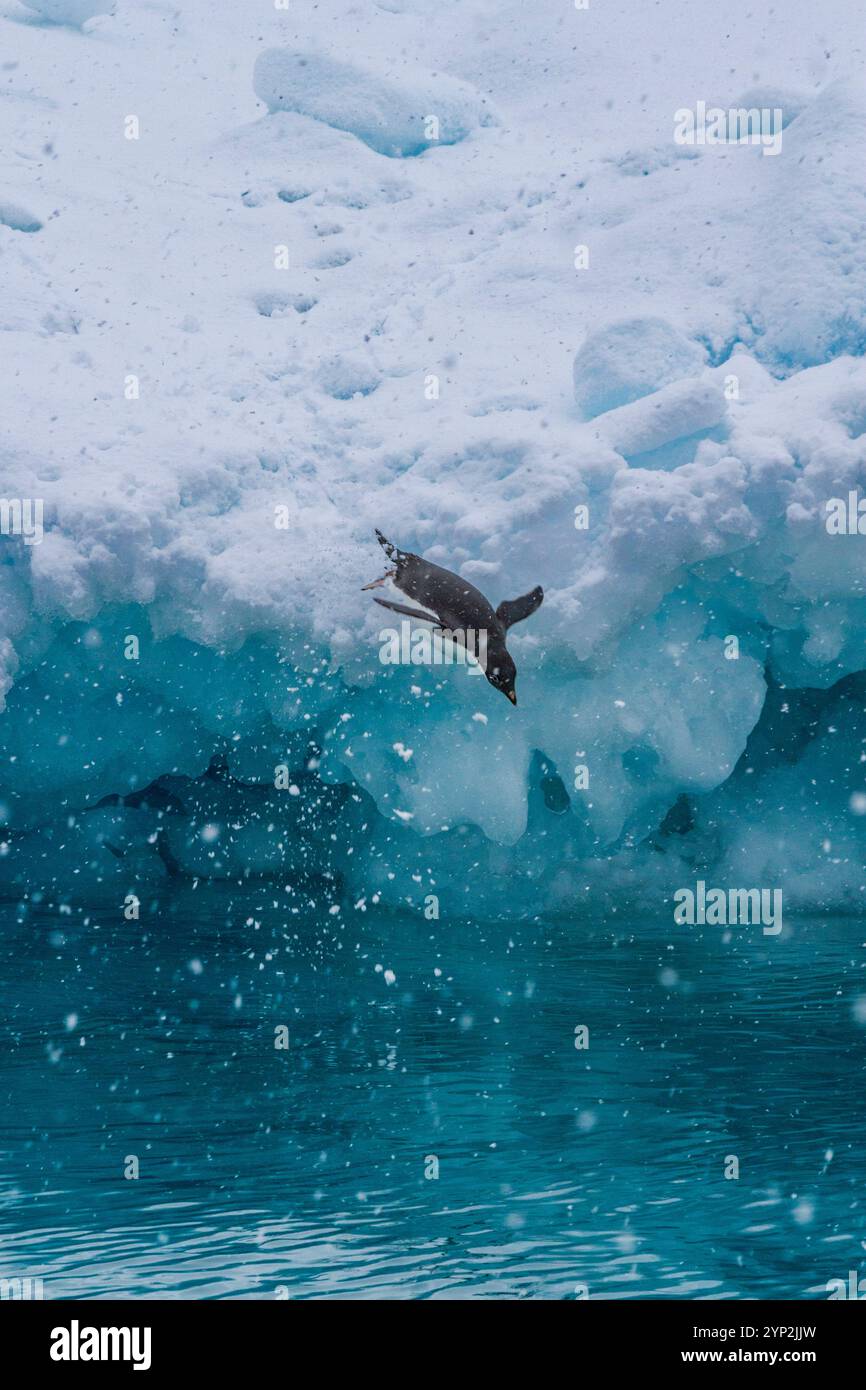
512,697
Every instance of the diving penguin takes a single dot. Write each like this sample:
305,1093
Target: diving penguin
456,606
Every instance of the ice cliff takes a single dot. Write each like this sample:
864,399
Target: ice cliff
264,293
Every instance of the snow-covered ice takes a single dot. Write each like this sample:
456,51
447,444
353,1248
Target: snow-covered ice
255,308
621,362
73,12
396,116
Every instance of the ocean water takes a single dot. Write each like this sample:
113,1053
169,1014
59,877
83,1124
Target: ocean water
308,1171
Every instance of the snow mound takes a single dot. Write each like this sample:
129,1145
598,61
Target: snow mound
623,361
344,378
72,12
395,116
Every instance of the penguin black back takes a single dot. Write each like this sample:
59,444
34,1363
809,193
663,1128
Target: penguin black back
455,605
453,600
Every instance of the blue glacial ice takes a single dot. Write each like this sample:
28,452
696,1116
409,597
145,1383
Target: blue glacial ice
294,331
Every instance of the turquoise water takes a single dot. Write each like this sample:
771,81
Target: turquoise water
300,1172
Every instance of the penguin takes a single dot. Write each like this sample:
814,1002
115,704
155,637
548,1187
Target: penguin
456,606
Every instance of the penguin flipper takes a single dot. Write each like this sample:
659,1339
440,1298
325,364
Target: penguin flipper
410,612
514,610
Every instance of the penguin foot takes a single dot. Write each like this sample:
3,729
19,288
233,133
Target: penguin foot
389,574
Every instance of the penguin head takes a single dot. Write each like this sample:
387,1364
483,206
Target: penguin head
502,673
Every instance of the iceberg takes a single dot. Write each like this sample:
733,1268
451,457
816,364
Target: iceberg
298,331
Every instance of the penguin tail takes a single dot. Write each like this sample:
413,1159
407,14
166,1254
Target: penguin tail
389,549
